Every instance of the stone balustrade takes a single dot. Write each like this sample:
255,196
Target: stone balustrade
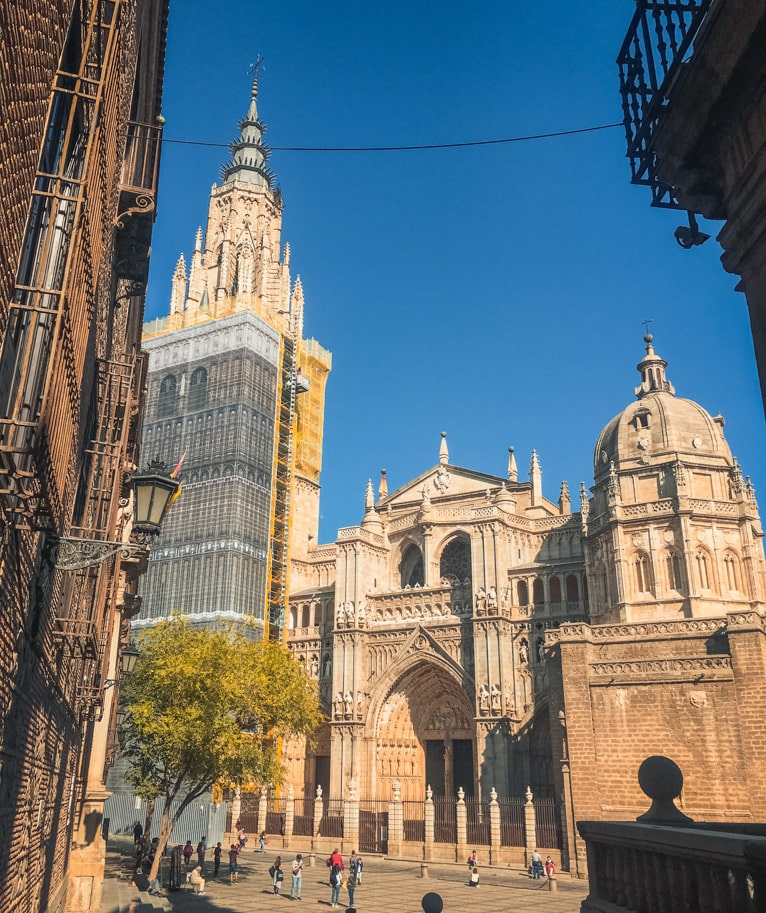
700,868
666,863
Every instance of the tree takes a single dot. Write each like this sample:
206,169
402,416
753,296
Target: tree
208,705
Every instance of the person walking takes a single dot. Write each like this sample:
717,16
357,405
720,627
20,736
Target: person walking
550,867
336,880
188,850
537,865
216,859
473,860
262,842
354,875
234,864
201,850
138,833
242,838
277,875
295,887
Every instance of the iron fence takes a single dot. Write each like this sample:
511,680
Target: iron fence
331,824
445,820
477,822
511,821
373,826
547,823
303,823
413,821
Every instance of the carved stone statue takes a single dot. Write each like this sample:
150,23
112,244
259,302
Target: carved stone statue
483,698
340,615
496,699
523,651
492,598
348,701
481,599
337,705
359,705
314,667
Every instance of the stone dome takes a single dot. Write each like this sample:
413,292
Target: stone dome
660,426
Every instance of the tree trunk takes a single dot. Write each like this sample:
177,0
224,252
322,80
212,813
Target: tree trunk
149,816
165,828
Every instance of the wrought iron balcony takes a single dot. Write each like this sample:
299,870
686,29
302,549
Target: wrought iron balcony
658,43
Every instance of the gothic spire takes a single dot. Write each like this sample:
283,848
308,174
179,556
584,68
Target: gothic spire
249,152
652,370
513,471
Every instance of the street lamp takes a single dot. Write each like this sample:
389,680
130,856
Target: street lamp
128,659
153,490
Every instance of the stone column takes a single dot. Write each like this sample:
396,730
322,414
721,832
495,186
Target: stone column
530,826
428,814
462,829
318,810
262,809
495,839
351,817
236,811
395,821
289,813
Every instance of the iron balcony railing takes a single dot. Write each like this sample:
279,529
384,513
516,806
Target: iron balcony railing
659,41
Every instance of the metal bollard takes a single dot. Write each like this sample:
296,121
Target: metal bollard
552,886
423,870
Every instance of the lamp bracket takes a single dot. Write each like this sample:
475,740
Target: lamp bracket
77,554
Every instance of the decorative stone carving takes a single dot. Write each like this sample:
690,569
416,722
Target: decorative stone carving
442,479
337,706
496,700
483,699
698,698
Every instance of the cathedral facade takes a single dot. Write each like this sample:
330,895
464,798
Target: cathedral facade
235,396
469,633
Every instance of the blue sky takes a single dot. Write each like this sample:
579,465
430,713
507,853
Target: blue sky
494,293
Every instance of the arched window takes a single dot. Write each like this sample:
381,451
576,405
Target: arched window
293,617
198,390
555,587
643,573
166,402
523,592
673,566
455,563
306,616
573,590
538,592
703,573
731,569
411,567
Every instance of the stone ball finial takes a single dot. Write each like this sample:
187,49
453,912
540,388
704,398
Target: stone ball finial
662,781
432,903
648,338
444,434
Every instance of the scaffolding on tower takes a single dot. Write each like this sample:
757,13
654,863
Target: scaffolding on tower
291,383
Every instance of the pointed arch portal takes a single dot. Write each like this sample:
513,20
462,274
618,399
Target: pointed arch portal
425,735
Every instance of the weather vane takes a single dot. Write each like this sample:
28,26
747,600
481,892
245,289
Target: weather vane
645,324
254,67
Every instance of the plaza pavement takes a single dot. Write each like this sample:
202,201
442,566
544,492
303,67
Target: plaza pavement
389,886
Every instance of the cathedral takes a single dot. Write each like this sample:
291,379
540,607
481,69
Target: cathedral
470,634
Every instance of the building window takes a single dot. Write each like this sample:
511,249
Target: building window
411,567
675,577
455,563
523,592
166,402
702,570
643,574
198,390
538,592
731,568
573,591
555,586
